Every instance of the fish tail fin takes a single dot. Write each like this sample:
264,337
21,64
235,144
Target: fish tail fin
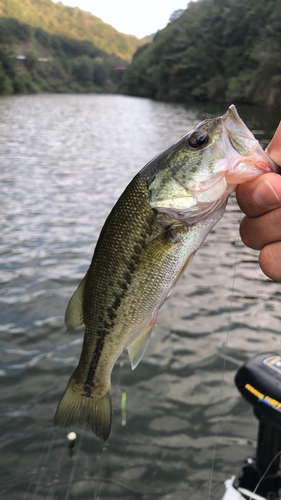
79,405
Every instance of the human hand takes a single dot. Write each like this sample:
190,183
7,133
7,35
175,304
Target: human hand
260,200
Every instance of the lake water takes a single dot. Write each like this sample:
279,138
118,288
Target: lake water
64,160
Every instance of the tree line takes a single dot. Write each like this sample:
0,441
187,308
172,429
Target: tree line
52,63
216,50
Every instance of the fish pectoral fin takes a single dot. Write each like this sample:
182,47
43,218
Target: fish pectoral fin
74,311
137,348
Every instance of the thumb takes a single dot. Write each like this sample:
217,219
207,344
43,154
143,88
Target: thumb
260,196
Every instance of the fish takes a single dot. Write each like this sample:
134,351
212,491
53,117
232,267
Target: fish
148,240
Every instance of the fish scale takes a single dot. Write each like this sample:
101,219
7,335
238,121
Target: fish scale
145,245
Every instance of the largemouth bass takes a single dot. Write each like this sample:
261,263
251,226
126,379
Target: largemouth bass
145,245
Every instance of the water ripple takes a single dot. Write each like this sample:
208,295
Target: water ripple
64,160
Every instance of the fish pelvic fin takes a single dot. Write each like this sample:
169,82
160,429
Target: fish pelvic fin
138,347
74,312
80,404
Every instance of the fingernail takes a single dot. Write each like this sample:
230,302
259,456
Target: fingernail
266,195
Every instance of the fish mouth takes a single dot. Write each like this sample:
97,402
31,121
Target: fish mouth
242,139
239,135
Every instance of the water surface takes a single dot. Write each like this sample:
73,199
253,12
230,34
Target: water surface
64,160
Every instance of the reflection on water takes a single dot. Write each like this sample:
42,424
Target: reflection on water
64,160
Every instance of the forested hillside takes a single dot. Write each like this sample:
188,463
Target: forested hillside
216,50
33,60
57,19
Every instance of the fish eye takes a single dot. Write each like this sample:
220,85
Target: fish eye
197,139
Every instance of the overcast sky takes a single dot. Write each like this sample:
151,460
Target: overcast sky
139,18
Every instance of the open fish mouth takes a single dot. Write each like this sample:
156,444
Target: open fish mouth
242,138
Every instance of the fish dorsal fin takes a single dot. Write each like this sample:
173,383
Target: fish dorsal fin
137,348
74,311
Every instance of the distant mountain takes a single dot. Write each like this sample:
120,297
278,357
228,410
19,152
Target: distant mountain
33,60
148,38
58,19
216,50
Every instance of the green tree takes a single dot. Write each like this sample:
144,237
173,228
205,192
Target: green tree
43,37
7,58
30,61
100,74
82,70
5,82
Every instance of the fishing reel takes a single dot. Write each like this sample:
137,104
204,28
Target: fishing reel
259,381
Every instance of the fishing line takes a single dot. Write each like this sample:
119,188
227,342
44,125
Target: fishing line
263,476
56,477
74,465
34,472
102,459
224,364
104,450
41,460
43,468
47,453
123,416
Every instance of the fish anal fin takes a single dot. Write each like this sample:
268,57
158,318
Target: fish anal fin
77,405
74,311
137,348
